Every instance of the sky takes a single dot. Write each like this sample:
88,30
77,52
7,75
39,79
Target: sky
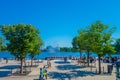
59,20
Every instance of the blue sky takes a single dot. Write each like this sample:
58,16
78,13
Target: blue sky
59,20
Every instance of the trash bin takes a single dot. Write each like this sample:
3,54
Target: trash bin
110,68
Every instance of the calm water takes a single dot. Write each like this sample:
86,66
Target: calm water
42,55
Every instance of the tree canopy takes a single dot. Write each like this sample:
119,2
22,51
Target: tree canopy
101,40
22,39
95,38
2,44
117,45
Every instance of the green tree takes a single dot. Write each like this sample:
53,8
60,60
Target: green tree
65,49
86,40
83,42
21,38
101,40
2,44
77,44
117,45
36,50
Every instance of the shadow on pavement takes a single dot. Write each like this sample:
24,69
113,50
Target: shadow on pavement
62,62
72,75
4,73
6,70
68,67
59,76
79,73
10,67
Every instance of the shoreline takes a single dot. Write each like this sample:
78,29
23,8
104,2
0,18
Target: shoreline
43,55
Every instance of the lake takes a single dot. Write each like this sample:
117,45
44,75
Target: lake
43,55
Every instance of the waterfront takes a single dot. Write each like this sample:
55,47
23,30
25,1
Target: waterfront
43,55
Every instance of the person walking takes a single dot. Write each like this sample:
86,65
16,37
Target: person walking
48,63
45,73
41,74
6,60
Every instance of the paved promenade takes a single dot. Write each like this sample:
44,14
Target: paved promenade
59,70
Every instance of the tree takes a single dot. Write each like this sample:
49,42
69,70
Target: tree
65,49
117,45
21,38
2,44
77,44
95,38
86,42
36,50
83,42
101,40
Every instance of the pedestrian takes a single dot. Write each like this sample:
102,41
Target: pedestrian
45,72
6,60
41,73
49,63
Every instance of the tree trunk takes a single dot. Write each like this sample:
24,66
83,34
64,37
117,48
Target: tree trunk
21,67
80,54
31,61
99,64
88,57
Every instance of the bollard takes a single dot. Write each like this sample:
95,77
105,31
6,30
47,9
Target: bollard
28,64
96,70
11,71
103,69
17,70
35,63
91,68
30,68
